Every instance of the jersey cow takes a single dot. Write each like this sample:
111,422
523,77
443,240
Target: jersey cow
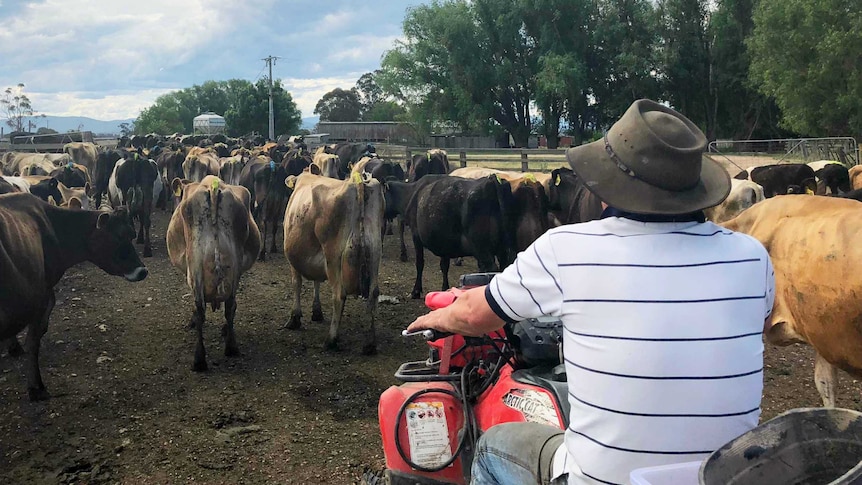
38,243
332,233
813,244
82,153
213,239
455,216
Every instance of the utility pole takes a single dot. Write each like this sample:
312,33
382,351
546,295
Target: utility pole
270,60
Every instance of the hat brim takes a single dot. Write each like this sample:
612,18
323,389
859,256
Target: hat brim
608,182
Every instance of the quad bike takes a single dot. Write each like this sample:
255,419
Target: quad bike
430,424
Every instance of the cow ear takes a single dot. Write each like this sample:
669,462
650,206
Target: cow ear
102,221
87,188
52,201
314,169
290,181
53,183
75,203
177,187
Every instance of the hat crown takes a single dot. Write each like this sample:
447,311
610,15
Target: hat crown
657,145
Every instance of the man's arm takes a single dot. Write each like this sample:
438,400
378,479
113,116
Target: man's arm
469,315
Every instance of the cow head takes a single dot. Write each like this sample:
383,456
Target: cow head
110,246
47,188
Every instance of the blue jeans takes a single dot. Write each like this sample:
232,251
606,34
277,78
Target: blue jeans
516,454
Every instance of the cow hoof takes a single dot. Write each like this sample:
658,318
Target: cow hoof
262,257
415,294
148,253
231,351
294,322
199,366
40,394
369,349
316,315
15,349
331,344
403,258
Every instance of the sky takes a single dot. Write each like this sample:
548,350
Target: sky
109,59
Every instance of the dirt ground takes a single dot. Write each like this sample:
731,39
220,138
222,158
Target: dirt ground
127,408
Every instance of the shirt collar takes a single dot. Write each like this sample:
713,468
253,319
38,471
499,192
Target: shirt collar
697,216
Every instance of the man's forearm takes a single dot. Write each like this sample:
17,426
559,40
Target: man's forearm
469,315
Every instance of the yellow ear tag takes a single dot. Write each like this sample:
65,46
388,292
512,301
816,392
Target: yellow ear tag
178,191
357,178
499,180
291,182
530,178
809,191
215,184
557,180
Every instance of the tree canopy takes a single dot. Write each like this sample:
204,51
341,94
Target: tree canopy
339,105
245,107
807,54
16,107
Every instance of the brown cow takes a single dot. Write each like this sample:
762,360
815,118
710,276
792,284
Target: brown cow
814,246
332,233
230,168
214,240
198,165
38,243
327,163
856,177
82,153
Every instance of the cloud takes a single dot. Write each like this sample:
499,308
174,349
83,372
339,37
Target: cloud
95,105
306,92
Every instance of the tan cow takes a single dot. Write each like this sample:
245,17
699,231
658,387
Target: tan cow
332,232
19,163
198,165
327,163
230,168
82,153
814,246
75,197
743,194
213,239
856,177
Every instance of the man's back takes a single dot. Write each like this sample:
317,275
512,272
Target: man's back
663,347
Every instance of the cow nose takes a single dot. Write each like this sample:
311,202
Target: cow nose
136,274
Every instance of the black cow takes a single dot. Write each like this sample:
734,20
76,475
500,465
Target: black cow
264,179
397,195
294,162
569,199
71,175
6,187
105,162
777,179
38,243
350,153
433,162
135,180
454,216
170,164
834,177
855,194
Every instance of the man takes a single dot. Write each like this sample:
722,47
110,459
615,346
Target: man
663,314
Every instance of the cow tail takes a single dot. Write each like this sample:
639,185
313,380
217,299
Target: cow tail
218,268
365,249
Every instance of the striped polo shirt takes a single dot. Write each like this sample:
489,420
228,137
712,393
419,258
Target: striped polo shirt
662,341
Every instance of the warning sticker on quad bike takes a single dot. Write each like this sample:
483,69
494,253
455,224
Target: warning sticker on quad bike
535,406
428,434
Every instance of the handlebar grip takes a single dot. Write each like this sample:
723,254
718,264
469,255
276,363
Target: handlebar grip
436,300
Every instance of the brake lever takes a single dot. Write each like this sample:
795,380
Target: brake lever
427,334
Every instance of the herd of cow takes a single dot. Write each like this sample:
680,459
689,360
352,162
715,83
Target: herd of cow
335,205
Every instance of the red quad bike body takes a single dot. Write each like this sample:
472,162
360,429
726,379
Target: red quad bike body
429,424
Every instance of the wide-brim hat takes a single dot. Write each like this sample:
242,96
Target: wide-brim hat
651,161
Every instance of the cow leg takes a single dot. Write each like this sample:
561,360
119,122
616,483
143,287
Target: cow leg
272,248
420,266
403,256
230,348
145,228
140,239
444,269
198,319
262,256
316,311
338,298
825,376
370,346
35,387
13,347
296,316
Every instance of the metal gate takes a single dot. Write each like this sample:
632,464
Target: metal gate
843,149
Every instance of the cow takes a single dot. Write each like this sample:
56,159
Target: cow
294,162
378,168
213,239
327,163
41,186
134,184
230,169
101,174
264,179
38,243
743,195
74,198
82,153
777,179
397,194
72,175
350,153
855,194
37,164
332,232
170,164
455,216
198,165
529,211
813,244
833,178
435,161
855,174
7,188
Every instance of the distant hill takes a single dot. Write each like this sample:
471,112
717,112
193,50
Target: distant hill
310,122
63,124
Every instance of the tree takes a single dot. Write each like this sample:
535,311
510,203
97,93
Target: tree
16,106
245,107
384,111
369,92
339,105
806,54
45,131
127,129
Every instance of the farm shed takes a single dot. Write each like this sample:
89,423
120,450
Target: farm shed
208,123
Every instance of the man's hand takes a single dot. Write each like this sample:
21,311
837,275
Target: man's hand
469,315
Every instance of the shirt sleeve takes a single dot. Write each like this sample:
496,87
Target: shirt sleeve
530,287
770,286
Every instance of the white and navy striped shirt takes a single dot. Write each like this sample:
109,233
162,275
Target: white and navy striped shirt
662,344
